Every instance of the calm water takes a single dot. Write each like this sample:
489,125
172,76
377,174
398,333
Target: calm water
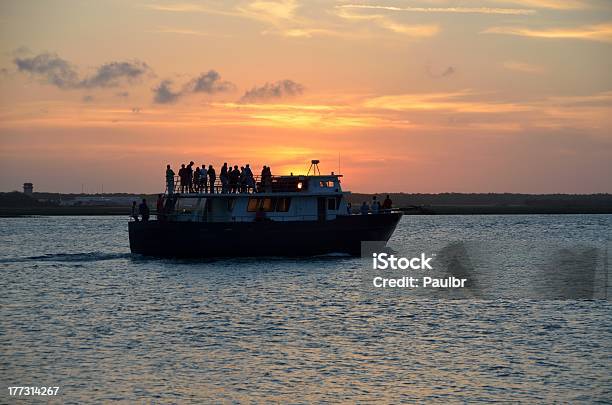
79,312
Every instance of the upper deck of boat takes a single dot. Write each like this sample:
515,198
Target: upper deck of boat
275,185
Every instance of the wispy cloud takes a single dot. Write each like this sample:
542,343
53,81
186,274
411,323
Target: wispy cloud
461,10
413,30
600,32
453,101
548,4
272,91
52,69
522,67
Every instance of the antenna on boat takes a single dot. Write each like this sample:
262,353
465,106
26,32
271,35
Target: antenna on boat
314,166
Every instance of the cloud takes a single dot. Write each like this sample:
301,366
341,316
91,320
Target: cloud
461,10
270,91
522,67
549,4
110,74
163,94
455,102
599,32
413,30
209,83
52,69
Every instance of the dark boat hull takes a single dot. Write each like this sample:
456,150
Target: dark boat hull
300,238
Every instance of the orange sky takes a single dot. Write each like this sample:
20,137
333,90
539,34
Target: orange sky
415,96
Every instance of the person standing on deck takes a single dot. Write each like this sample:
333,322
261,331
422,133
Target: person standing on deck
374,205
365,209
204,179
190,176
169,180
249,178
234,176
143,208
212,176
196,179
134,211
223,176
387,204
183,177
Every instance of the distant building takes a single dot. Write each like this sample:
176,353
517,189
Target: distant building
28,188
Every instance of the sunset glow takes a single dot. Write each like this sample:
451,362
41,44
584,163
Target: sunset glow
413,96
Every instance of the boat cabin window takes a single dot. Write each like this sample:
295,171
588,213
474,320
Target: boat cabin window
326,184
269,204
253,204
282,204
331,204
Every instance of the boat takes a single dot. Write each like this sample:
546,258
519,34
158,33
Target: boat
289,215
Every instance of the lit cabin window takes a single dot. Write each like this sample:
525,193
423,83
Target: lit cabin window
282,204
326,184
268,204
253,203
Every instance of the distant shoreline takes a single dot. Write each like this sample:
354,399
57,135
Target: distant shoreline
12,212
15,204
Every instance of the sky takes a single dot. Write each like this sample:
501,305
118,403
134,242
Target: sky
420,96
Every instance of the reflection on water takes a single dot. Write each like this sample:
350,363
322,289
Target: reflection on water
78,311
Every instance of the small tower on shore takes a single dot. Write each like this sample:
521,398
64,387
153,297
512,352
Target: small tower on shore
28,188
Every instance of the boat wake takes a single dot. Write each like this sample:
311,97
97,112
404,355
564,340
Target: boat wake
68,257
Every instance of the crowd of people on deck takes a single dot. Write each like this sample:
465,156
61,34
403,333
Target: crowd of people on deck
375,207
202,179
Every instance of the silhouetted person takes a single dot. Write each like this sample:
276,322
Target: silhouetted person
349,209
204,179
212,177
243,180
250,180
266,179
196,179
234,177
375,207
224,177
183,178
134,211
169,179
387,204
143,208
365,208
190,176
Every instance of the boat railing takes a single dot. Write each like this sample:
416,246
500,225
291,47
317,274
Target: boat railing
252,185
